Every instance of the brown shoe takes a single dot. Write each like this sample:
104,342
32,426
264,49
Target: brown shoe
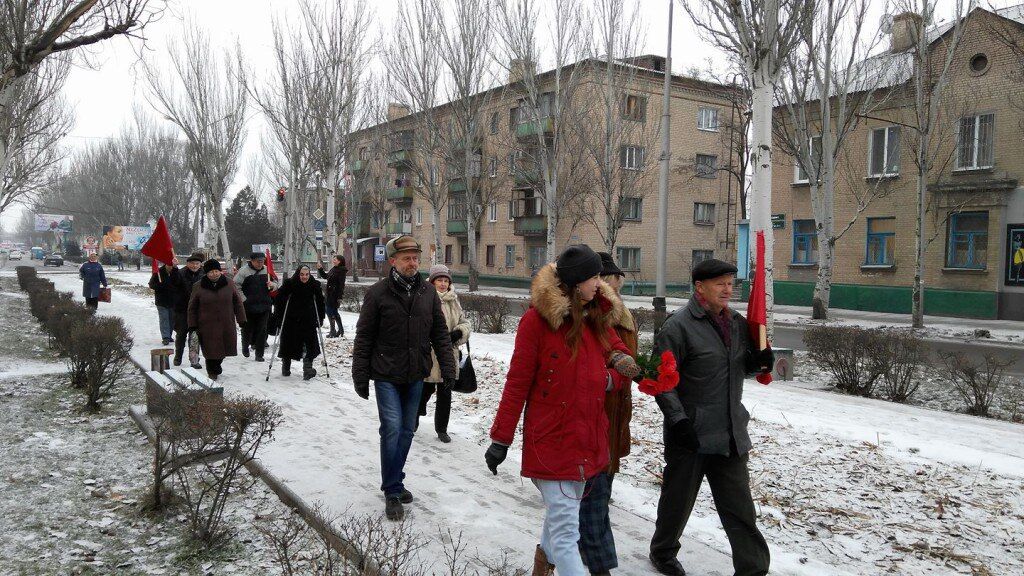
541,566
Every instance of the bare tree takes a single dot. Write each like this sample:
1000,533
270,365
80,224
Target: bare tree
206,99
830,84
758,34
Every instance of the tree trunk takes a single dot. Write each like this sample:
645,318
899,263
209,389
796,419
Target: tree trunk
761,189
823,285
436,215
917,304
331,234
471,212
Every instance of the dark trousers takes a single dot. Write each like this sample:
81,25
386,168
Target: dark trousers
443,409
730,489
93,303
180,334
597,544
214,367
254,331
396,407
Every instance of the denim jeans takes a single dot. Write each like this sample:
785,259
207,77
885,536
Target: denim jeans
166,322
561,535
396,405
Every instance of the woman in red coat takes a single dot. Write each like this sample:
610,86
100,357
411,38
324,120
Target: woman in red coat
567,355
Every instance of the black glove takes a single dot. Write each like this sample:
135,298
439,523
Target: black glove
682,434
495,455
448,385
765,360
456,335
363,390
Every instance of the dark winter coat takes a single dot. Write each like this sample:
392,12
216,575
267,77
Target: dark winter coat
618,404
305,312
92,276
165,287
395,334
565,429
213,310
335,285
253,284
183,284
711,376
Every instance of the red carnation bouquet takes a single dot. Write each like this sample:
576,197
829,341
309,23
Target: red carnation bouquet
658,374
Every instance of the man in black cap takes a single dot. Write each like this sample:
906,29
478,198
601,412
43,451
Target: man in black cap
183,283
256,286
706,424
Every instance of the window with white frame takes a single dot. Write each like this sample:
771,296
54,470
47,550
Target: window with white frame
632,208
629,258
492,167
419,216
707,119
706,166
511,210
884,152
975,142
631,157
800,176
703,213
492,211
510,256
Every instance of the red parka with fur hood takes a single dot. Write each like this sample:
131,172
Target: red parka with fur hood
565,428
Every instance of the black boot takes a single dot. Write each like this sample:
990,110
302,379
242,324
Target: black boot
286,367
259,355
393,508
307,369
334,331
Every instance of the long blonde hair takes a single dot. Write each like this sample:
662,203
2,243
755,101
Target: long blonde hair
581,313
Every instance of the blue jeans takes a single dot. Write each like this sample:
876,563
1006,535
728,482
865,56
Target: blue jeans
561,535
166,322
397,405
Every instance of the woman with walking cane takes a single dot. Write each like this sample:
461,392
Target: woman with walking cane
567,356
301,304
458,330
332,295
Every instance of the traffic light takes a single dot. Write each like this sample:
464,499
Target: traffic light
280,194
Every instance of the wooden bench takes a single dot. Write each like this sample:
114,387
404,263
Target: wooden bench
185,386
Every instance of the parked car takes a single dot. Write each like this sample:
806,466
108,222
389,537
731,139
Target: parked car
53,260
16,255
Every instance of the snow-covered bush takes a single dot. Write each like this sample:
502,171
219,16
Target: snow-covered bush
487,313
644,319
851,355
352,298
901,355
976,382
62,319
99,356
25,273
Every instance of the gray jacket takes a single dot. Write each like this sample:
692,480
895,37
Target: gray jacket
711,377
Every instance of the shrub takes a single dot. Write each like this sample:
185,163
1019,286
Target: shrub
63,319
901,355
352,298
488,313
644,319
849,354
98,357
25,273
976,382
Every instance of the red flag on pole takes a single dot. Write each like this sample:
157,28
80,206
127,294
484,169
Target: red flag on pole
270,271
757,311
159,246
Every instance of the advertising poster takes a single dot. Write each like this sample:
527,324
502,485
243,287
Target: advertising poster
61,223
1014,255
125,237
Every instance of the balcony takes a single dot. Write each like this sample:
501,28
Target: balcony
398,228
531,225
401,194
400,157
531,128
360,230
456,228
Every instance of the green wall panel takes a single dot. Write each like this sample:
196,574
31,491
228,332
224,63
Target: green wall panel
894,299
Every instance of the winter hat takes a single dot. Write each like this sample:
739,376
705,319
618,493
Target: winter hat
576,264
439,271
608,266
195,257
712,268
402,244
257,256
211,264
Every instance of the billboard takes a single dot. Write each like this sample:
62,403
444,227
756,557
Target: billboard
125,237
54,223
1014,264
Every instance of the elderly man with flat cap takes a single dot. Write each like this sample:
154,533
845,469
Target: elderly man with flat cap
400,321
706,423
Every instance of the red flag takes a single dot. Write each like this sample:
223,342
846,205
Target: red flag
757,311
270,271
159,246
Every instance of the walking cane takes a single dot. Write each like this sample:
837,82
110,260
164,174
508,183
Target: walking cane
277,337
320,335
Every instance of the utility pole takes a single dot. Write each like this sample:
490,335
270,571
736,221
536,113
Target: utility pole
660,309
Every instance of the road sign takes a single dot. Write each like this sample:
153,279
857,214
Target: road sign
778,221
319,224
319,244
318,214
378,253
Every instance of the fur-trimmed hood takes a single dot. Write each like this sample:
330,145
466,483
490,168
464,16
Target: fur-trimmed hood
553,306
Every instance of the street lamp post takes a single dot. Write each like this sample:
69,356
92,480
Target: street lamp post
660,309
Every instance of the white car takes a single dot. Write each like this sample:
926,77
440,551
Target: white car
16,255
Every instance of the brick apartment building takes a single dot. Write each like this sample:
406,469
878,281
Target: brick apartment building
703,200
975,209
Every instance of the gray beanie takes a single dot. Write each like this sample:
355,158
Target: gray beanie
438,271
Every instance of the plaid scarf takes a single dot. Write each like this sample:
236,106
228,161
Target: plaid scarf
721,321
407,283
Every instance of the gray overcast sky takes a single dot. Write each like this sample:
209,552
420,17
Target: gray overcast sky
104,96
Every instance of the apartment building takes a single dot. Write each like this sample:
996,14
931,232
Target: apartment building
393,167
974,221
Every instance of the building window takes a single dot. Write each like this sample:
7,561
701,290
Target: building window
464,254
495,118
433,175
884,152
700,256
511,210
457,207
364,153
968,240
707,119
492,211
703,213
881,242
631,157
537,256
492,167
974,145
706,166
447,253
510,256
629,258
805,242
631,208
490,254
419,216
634,107
801,174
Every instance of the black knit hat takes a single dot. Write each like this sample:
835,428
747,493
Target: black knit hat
195,257
712,268
211,264
577,264
257,256
608,266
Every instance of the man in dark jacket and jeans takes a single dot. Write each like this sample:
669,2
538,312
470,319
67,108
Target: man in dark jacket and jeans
183,283
163,283
400,321
706,423
256,285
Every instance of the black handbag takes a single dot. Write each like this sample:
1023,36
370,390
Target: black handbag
466,382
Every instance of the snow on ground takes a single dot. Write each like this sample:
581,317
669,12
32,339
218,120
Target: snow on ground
844,484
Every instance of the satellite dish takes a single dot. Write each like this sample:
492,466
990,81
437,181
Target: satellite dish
885,24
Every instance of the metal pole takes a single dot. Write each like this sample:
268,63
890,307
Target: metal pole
320,338
662,256
277,337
